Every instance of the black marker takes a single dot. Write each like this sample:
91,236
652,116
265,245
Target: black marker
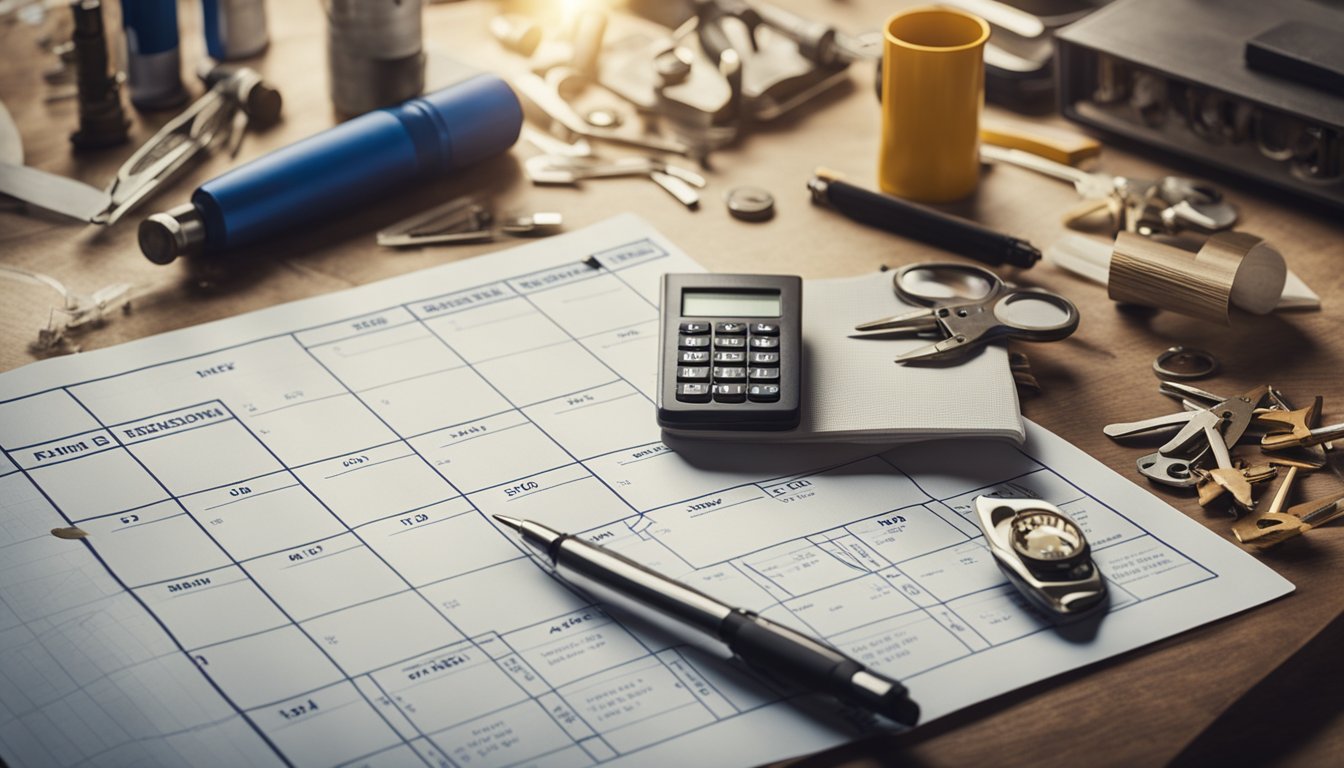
761,644
903,217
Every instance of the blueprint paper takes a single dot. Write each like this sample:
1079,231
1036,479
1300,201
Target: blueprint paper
289,558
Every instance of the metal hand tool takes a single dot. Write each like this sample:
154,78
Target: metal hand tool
1090,186
223,113
1169,204
465,220
1175,461
547,99
970,306
1225,474
565,169
681,183
236,97
1211,410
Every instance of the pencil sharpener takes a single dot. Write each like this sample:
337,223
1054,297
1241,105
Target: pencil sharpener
1044,554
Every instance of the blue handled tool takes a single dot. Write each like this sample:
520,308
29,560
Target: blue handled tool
338,169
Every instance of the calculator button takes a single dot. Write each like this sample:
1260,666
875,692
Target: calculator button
693,342
730,342
764,329
730,393
765,342
763,374
763,393
695,328
759,358
730,328
729,374
730,357
691,358
693,393
698,373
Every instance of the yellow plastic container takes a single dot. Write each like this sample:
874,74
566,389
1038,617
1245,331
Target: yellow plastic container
933,88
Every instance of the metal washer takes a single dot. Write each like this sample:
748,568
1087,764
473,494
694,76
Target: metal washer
1185,363
750,203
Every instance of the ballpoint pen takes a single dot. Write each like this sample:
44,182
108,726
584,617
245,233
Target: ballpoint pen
903,217
768,647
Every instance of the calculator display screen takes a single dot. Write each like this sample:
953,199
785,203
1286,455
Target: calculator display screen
702,303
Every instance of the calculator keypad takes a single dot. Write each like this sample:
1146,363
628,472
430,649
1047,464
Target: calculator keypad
695,357
693,393
728,362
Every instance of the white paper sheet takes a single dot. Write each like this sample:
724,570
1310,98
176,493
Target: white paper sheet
290,560
974,398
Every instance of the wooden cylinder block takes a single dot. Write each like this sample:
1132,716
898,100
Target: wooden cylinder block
1231,269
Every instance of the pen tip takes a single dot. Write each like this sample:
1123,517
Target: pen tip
512,522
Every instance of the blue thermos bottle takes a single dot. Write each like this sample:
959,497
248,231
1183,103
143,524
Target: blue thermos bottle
355,162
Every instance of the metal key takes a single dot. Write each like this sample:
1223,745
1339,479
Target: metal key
1317,436
1270,526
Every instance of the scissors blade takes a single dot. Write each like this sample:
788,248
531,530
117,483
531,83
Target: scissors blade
935,350
919,319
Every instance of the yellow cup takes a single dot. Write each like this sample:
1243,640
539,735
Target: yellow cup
933,88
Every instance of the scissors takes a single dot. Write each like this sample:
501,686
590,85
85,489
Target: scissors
970,306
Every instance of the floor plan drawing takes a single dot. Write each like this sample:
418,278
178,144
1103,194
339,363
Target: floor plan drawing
268,540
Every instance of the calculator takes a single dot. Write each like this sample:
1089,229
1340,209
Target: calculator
731,352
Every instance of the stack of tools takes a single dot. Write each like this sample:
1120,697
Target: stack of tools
1200,456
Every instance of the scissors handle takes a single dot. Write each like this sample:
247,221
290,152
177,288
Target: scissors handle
1013,311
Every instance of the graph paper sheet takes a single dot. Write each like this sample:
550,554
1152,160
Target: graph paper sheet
289,557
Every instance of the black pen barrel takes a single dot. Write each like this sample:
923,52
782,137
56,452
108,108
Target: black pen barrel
928,225
785,654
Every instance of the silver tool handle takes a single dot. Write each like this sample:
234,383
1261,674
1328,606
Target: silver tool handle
1089,185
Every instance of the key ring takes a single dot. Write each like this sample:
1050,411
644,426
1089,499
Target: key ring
1185,364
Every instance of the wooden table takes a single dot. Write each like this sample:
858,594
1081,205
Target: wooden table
1260,687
